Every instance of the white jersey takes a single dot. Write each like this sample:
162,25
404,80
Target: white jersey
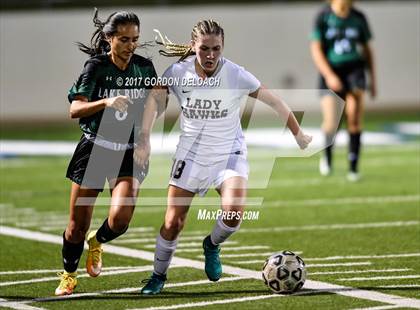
210,119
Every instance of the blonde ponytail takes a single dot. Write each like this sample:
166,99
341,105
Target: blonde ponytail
203,27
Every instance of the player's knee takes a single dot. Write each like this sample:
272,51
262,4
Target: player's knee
354,126
329,127
76,233
232,222
175,225
119,225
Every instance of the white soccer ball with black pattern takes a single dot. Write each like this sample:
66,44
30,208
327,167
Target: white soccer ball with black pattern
284,272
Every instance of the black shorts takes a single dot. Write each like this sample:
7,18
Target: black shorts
352,77
92,164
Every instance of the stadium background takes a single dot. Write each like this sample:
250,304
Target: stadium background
39,60
363,235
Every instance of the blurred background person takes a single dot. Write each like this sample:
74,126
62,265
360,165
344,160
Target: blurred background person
341,51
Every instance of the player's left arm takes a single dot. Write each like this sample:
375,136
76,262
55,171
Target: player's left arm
156,104
265,95
370,60
365,40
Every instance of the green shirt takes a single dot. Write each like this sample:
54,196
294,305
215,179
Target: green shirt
341,38
101,78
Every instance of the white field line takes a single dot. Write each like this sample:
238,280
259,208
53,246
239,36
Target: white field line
345,200
265,254
146,240
399,286
107,273
136,230
359,271
134,289
331,258
308,266
331,227
250,254
209,303
188,245
30,271
377,308
129,234
44,223
145,255
35,223
362,257
238,248
141,229
182,284
59,270
223,301
409,276
18,305
53,228
132,235
160,202
338,265
195,232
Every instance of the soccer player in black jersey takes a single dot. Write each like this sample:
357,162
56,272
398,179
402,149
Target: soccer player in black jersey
108,99
341,51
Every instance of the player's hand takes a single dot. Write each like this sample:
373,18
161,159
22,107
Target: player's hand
334,83
142,151
119,103
373,91
302,140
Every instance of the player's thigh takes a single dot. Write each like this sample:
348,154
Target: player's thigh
86,166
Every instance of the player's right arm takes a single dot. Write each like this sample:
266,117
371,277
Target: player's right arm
319,57
321,62
80,107
81,93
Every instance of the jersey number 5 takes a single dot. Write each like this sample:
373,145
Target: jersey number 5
177,168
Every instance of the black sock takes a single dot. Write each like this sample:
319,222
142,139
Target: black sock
329,144
71,254
105,234
354,151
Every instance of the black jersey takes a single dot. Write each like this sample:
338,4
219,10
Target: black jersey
341,37
101,78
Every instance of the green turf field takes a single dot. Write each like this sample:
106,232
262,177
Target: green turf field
353,235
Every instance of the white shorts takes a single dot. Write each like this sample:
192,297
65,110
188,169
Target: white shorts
197,178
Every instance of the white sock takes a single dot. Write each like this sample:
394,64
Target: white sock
163,254
221,231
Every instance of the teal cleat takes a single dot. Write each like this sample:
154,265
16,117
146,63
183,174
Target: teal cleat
213,267
154,285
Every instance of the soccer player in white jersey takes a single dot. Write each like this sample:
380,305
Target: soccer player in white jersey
211,149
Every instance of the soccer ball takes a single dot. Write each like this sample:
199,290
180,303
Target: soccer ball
284,272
